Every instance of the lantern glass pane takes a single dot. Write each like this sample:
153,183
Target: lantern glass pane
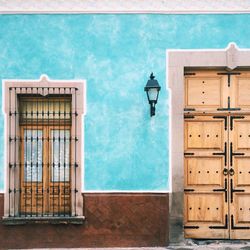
153,94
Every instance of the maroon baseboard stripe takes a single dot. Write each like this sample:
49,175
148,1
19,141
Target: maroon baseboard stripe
112,220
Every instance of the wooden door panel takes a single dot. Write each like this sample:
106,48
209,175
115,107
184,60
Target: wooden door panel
60,198
32,168
46,184
205,207
206,187
206,233
242,208
240,216
217,155
203,171
239,137
204,134
242,92
242,171
205,216
32,201
59,180
240,198
204,92
60,205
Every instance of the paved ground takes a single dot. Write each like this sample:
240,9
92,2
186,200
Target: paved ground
213,244
187,245
206,246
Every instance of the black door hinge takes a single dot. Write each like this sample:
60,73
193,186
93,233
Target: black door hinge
234,117
228,106
188,153
223,153
188,190
189,74
189,109
233,154
222,117
229,76
221,227
222,189
189,116
232,190
235,227
191,227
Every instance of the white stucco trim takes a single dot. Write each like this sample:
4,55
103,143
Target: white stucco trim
230,57
124,6
77,89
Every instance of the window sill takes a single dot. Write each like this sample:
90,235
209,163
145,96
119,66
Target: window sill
78,220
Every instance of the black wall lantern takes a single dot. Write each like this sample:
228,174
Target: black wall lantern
152,88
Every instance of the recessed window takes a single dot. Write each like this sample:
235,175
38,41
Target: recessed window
43,150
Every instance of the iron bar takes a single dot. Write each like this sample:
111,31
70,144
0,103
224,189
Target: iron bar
25,160
42,155
59,158
64,153
37,154
10,163
49,159
31,157
75,146
14,169
53,167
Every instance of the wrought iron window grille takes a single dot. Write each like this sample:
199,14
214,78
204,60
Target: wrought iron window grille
42,152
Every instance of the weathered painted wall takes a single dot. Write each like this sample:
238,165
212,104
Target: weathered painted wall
125,149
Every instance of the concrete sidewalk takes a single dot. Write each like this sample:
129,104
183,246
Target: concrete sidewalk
212,245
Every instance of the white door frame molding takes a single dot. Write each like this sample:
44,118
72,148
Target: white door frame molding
177,60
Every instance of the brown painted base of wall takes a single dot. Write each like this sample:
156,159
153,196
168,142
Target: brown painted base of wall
112,220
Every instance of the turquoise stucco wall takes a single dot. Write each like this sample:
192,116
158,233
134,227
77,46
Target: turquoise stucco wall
125,149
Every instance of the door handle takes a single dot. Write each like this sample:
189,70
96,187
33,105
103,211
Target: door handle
231,171
225,171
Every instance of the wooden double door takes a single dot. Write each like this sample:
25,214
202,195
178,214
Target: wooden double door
45,170
217,157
